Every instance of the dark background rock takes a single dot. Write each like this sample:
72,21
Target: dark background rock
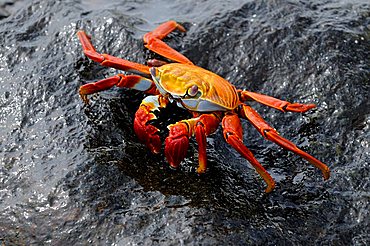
76,174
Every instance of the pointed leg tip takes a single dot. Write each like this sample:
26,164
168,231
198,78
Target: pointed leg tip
309,106
202,166
201,170
297,107
326,174
181,28
80,32
325,170
270,187
85,99
269,190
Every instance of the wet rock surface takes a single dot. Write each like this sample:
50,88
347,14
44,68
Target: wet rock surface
72,173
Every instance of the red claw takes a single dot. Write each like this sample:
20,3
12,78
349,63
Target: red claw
147,133
177,144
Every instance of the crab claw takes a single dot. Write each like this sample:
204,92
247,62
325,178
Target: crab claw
177,143
147,133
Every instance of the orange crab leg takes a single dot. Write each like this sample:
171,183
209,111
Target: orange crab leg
120,80
153,41
205,125
271,134
201,137
233,134
108,60
275,103
177,142
163,30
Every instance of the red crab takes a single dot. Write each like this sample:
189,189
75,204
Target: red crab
208,97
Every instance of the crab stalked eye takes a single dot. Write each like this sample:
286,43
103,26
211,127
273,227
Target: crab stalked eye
193,91
157,80
153,72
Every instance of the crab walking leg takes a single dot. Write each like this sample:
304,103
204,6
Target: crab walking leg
128,81
147,133
177,142
271,134
233,134
108,60
275,103
163,30
203,126
153,41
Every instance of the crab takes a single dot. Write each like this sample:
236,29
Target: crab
209,98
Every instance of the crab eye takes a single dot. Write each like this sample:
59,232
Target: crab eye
153,72
193,91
